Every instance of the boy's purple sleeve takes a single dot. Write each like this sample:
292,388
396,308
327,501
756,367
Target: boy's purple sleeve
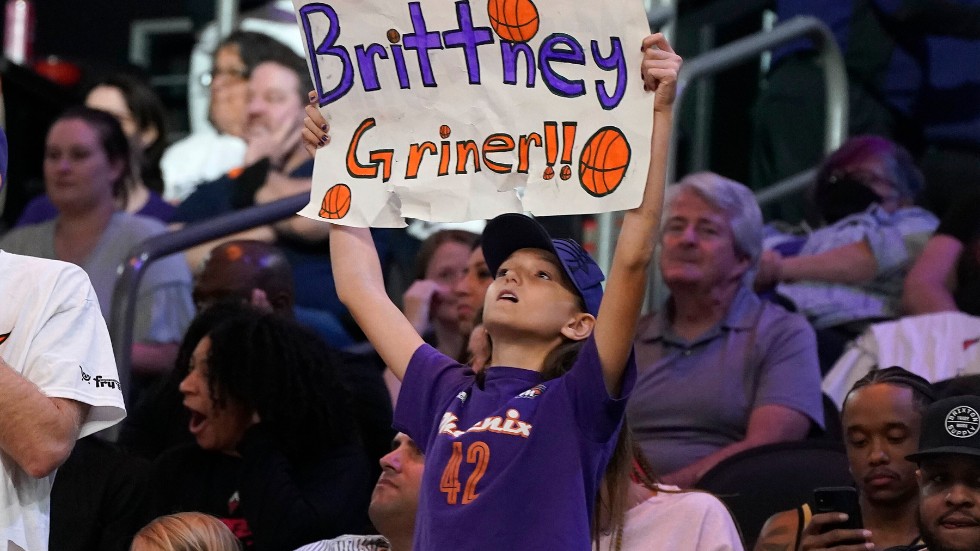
431,380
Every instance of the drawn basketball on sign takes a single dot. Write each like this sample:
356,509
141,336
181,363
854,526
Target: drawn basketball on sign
604,161
336,202
513,20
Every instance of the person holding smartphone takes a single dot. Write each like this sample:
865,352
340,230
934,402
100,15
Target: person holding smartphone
881,421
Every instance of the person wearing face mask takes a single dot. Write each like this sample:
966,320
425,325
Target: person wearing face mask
850,272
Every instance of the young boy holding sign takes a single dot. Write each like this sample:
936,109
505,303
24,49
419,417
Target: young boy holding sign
514,461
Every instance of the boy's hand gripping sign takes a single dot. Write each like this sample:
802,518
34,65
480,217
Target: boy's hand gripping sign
451,111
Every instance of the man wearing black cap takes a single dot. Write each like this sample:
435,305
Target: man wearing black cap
949,475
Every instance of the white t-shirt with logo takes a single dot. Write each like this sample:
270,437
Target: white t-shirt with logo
937,346
52,333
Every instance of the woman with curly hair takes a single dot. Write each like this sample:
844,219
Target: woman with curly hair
277,455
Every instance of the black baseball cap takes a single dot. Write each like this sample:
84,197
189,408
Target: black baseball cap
950,426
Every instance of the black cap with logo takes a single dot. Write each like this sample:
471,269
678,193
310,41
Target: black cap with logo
950,426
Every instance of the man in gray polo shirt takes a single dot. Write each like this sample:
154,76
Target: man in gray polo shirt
720,371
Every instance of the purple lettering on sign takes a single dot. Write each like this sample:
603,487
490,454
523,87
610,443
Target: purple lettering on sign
422,41
327,48
468,38
561,48
508,57
399,58
366,66
615,62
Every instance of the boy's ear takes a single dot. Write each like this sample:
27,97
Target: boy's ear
579,327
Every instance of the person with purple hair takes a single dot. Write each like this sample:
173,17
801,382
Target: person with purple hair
850,272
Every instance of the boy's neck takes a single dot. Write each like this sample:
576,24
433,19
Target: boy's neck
522,354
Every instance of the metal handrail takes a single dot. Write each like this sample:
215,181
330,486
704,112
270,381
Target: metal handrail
225,14
123,312
794,184
660,16
744,49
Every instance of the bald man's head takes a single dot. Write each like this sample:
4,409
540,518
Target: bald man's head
247,271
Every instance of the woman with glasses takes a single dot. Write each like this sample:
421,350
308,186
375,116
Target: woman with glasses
212,152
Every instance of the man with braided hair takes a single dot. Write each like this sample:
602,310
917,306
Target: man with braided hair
881,421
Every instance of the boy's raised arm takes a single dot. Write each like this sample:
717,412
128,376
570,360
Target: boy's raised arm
626,286
360,286
358,276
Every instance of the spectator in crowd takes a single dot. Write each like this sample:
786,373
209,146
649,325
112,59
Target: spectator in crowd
57,378
881,421
248,272
471,289
86,167
273,18
850,272
213,150
949,465
277,453
189,531
276,167
430,302
158,420
719,370
635,512
259,273
141,115
469,292
946,276
852,269
546,306
393,504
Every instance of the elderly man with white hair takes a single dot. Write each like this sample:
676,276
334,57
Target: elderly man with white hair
720,370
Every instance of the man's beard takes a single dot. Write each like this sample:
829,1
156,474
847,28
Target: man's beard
933,545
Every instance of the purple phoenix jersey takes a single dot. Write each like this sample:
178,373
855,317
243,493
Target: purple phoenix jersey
514,464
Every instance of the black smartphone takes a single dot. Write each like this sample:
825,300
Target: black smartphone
839,499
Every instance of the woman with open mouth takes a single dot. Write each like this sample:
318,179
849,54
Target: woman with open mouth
277,455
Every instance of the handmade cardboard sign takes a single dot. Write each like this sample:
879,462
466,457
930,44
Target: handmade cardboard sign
452,111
